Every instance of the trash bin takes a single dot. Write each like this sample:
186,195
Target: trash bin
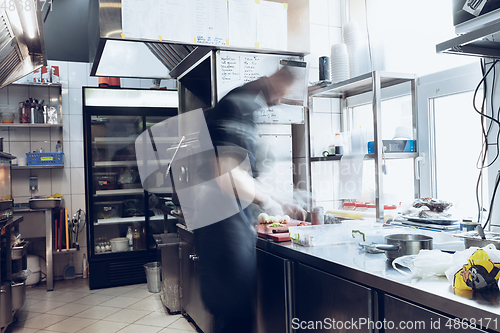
153,276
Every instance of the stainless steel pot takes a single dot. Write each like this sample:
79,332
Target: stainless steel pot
399,245
469,242
18,295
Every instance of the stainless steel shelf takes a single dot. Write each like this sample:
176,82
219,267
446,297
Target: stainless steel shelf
29,125
358,85
388,156
115,163
132,191
44,84
474,43
30,167
120,220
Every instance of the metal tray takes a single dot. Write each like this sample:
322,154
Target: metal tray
45,203
430,221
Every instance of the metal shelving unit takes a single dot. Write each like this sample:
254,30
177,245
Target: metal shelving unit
370,82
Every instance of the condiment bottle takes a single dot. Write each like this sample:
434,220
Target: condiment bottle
129,237
136,237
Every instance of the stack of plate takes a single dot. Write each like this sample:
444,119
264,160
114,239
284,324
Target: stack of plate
339,62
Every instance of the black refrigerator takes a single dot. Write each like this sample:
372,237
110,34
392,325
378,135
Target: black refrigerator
121,216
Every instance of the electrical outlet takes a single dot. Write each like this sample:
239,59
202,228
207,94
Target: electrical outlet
33,184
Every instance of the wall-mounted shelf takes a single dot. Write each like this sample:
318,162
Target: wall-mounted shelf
40,84
30,167
388,156
132,191
132,219
29,125
474,43
359,85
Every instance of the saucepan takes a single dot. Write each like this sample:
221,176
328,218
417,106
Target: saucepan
398,245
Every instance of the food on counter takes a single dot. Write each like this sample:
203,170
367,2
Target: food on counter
434,205
263,218
276,225
303,224
54,196
428,214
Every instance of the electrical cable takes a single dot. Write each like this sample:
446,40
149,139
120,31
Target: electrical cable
492,200
494,120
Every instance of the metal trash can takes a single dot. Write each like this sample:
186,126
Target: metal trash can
153,276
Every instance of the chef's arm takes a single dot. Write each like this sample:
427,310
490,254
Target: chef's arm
246,188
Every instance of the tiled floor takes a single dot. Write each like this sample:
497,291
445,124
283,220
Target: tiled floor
73,307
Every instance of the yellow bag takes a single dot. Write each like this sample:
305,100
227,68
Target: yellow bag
479,272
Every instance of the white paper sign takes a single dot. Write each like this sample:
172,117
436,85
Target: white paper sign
272,25
242,23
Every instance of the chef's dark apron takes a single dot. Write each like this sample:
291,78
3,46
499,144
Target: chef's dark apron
226,249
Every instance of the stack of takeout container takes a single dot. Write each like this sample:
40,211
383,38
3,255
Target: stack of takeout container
339,63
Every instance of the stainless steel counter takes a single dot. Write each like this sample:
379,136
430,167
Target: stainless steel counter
350,262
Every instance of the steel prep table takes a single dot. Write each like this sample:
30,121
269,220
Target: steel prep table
344,282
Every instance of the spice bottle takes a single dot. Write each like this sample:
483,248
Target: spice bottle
136,237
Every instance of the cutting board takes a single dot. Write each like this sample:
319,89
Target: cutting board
264,231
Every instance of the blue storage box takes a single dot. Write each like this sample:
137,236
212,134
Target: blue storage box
44,158
394,146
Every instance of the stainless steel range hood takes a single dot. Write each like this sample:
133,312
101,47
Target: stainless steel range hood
22,44
114,54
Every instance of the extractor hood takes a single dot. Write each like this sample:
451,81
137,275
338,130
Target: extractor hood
22,44
158,45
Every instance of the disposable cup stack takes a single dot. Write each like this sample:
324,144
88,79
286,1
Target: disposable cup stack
339,63
352,38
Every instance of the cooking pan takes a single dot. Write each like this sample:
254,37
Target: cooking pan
404,244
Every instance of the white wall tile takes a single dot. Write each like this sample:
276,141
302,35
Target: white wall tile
18,134
77,202
313,74
17,94
77,181
77,74
76,127
312,60
36,145
322,180
77,159
19,149
20,183
4,96
66,128
63,71
318,12
130,83
169,83
320,43
335,36
40,134
44,182
61,180
65,101
56,134
75,101
334,13
146,83
322,105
